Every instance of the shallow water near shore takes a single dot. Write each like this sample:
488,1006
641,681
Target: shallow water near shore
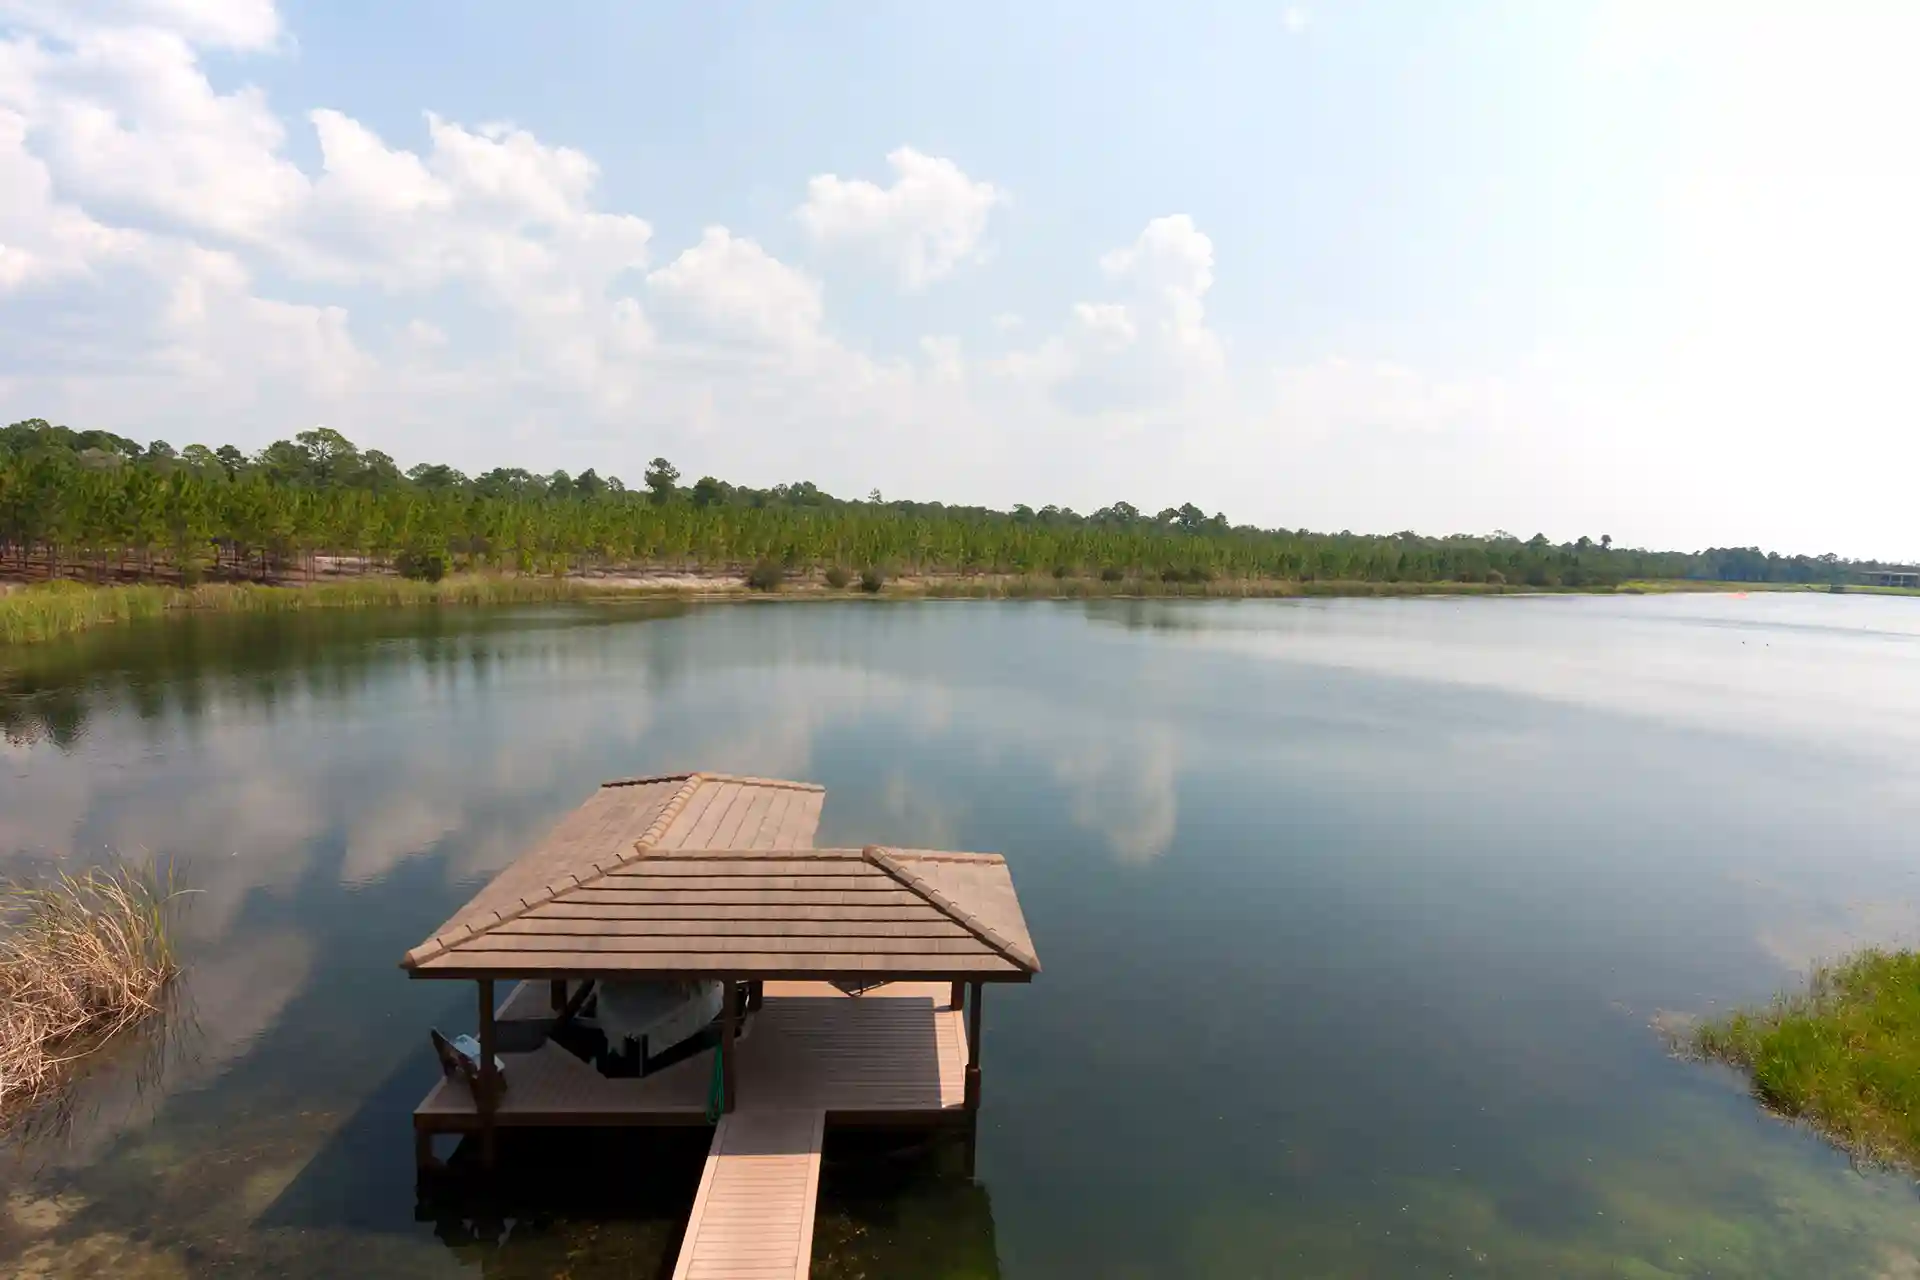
1354,917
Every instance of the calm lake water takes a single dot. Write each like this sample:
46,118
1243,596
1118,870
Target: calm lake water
1354,918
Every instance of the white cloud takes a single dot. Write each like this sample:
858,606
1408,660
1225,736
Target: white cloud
1108,324
42,238
925,225
1170,265
129,125
731,288
513,171
1146,352
493,207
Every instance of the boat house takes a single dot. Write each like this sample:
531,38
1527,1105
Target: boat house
849,991
1891,577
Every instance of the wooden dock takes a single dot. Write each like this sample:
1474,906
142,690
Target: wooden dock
710,877
753,1216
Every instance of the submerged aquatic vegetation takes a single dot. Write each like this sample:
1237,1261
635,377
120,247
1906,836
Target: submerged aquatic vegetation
83,957
1842,1055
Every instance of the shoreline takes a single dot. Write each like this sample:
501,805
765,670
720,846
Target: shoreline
33,613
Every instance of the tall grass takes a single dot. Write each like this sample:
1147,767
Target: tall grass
52,610
1843,1055
82,958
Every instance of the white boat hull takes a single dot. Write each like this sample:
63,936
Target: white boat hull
653,1017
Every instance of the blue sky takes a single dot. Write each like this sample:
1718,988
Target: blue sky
1629,268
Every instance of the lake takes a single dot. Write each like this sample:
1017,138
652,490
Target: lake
1355,917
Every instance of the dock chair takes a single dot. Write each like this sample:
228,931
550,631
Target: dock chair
457,1062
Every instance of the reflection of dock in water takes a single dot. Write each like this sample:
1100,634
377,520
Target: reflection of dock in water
852,985
607,1203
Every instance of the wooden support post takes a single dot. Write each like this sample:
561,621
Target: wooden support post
557,994
487,1095
973,1048
729,1021
575,1003
756,995
956,997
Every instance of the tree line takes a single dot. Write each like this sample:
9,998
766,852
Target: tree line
94,503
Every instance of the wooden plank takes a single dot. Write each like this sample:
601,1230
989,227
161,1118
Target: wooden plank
636,943
764,837
570,908
700,835
729,833
930,926
545,964
831,877
753,1216
797,825
738,854
670,868
689,815
614,811
803,821
601,892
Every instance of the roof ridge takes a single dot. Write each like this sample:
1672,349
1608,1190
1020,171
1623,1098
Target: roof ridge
786,783
948,855
886,860
722,851
553,889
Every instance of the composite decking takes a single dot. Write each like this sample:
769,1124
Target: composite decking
753,1216
897,1054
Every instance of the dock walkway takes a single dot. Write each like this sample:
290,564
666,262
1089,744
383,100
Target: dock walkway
753,1216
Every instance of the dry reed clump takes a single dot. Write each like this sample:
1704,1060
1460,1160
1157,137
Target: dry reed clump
82,957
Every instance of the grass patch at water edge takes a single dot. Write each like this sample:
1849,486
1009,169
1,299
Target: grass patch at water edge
1842,1055
83,957
52,610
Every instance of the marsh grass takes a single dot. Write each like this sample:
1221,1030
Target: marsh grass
52,610
83,958
1842,1055
1047,587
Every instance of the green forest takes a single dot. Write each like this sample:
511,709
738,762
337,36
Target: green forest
93,504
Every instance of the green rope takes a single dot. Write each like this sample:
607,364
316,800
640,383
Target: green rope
717,1088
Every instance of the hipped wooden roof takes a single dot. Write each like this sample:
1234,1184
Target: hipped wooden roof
718,880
